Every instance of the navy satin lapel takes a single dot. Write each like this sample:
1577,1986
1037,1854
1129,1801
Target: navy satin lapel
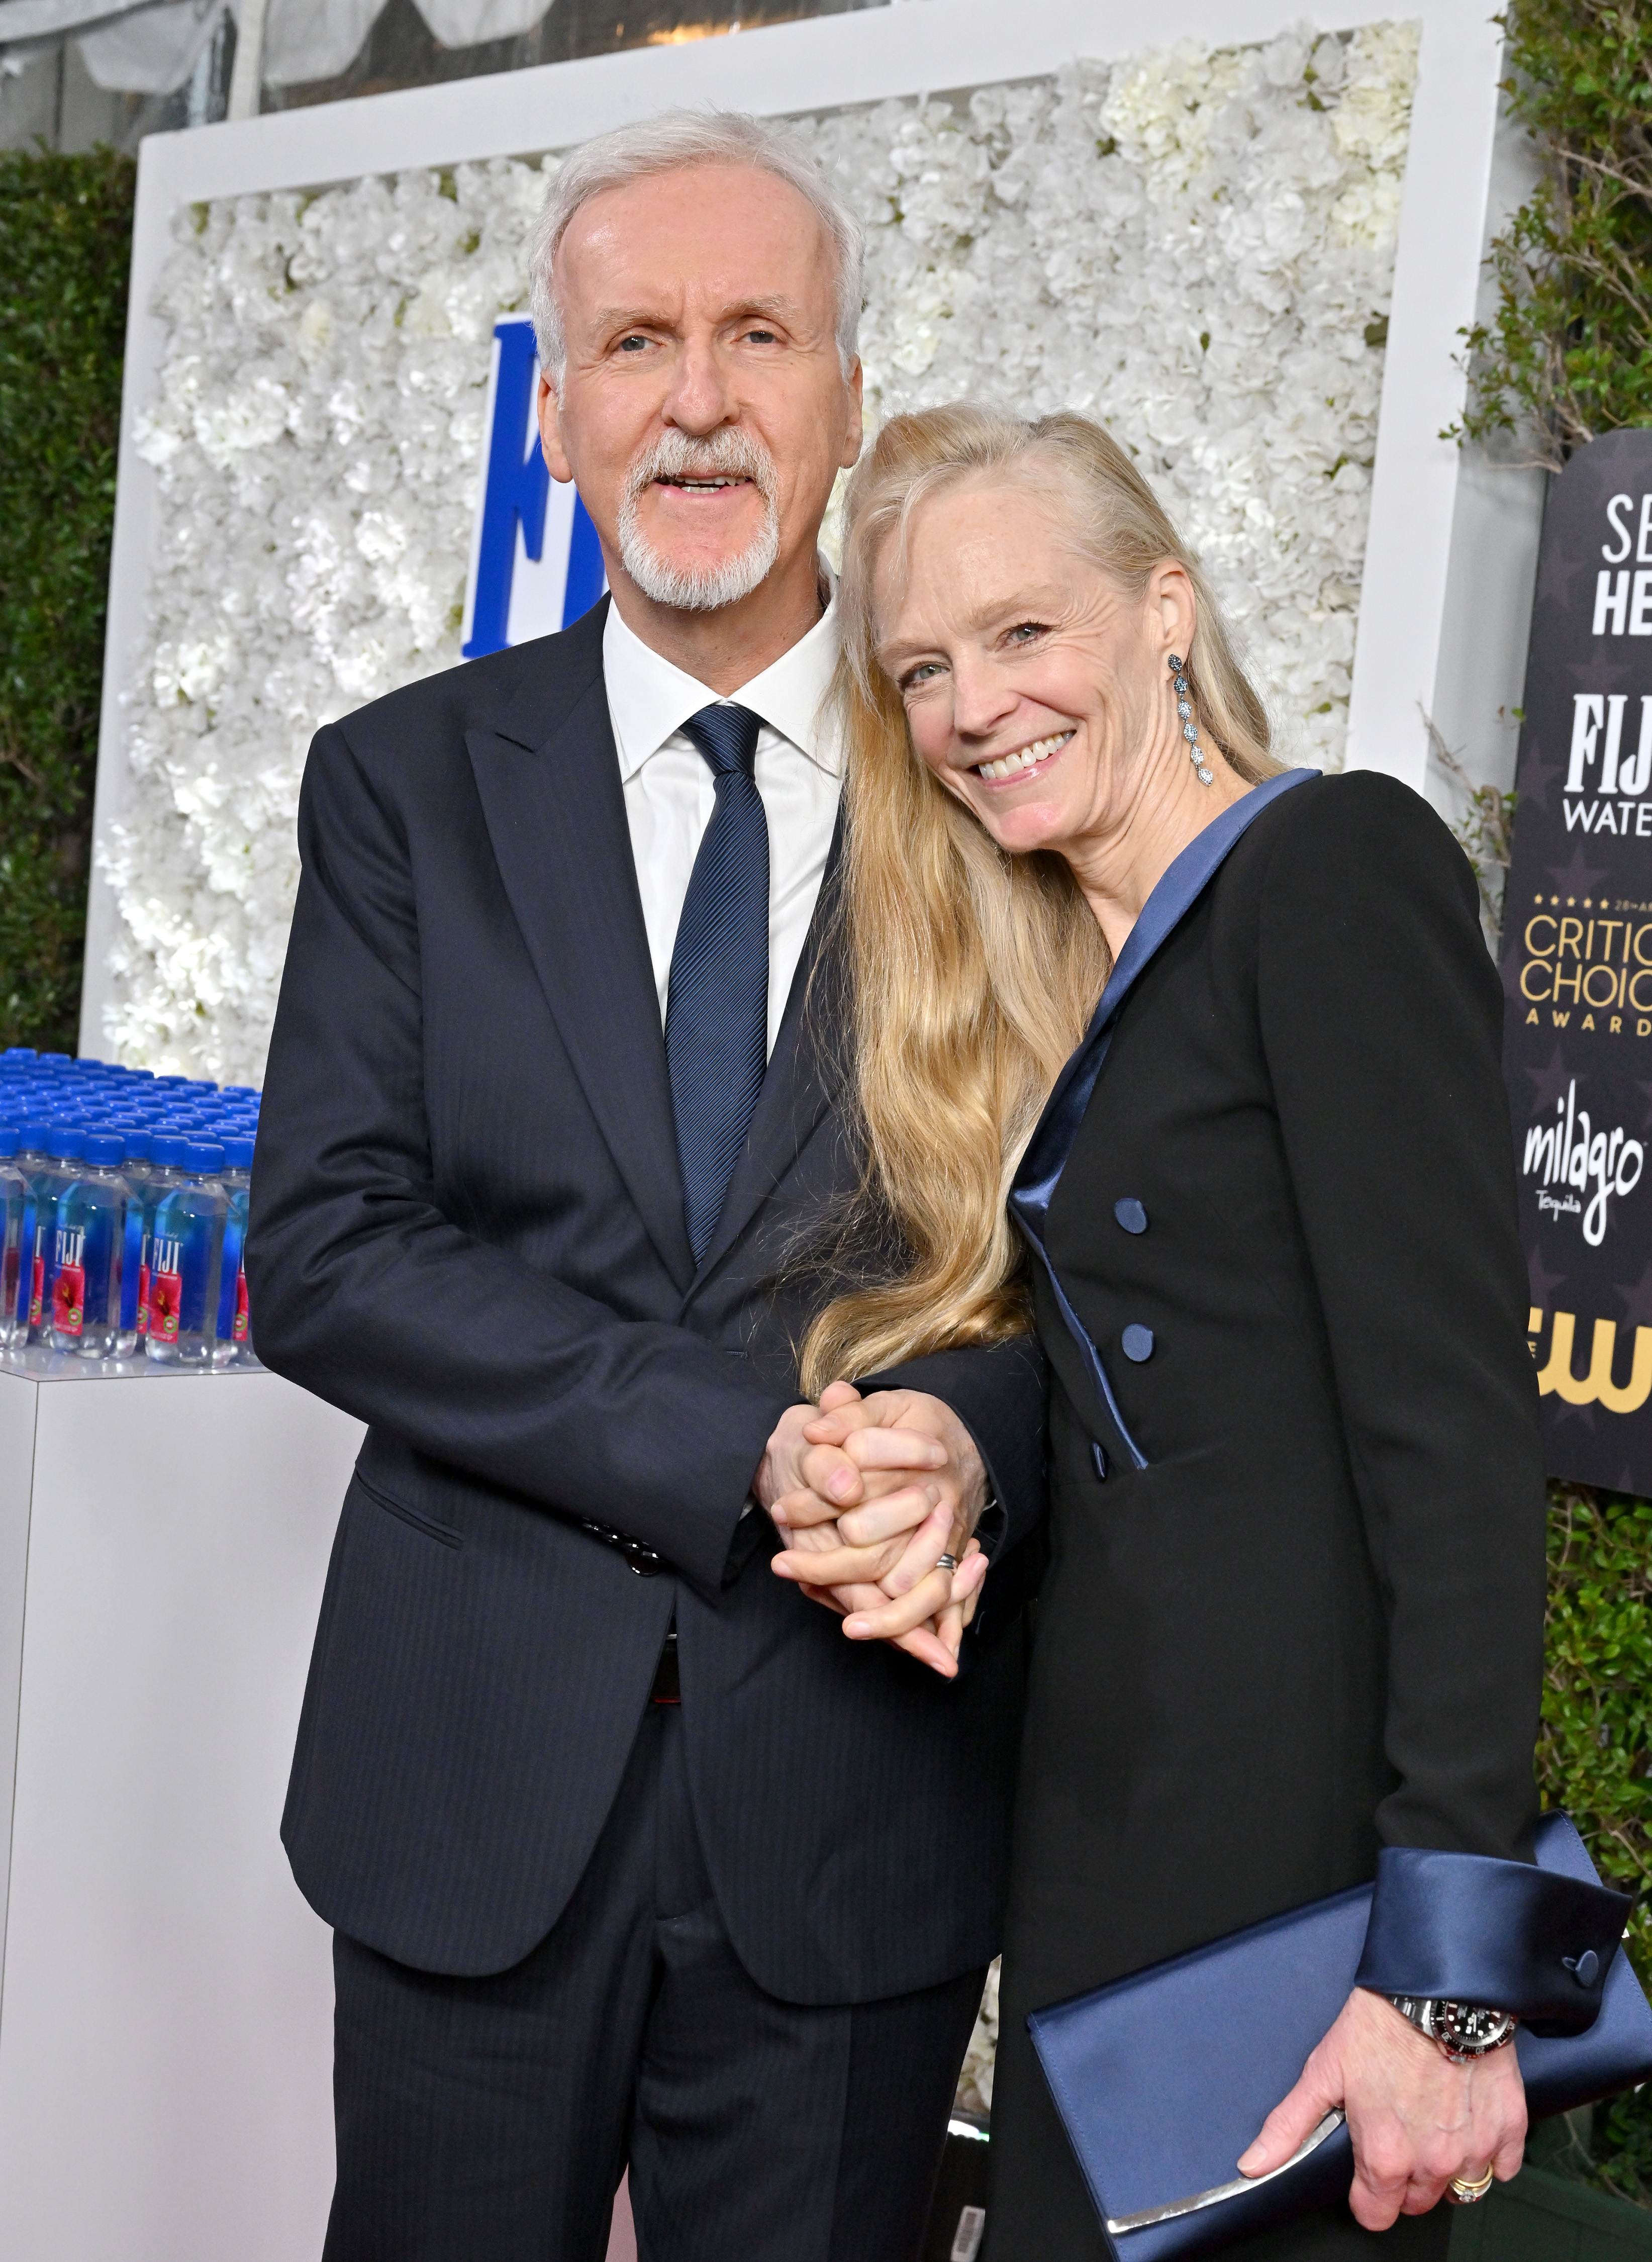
1048,1150
804,1073
556,816
1182,884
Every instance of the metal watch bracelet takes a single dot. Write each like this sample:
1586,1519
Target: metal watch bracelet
1463,2031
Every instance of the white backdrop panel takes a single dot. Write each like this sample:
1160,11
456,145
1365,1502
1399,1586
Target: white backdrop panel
1448,572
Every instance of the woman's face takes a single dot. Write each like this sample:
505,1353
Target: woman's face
1035,686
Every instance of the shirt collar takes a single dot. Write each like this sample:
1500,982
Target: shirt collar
649,698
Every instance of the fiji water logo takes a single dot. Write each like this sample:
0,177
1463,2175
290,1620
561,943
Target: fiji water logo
69,1280
1578,1169
535,562
166,1289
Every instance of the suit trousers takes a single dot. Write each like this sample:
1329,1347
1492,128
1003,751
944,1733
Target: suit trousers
489,2119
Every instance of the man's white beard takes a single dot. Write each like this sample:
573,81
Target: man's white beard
703,588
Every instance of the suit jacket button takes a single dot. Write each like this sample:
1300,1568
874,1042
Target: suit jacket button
1138,1343
1130,1214
1584,1969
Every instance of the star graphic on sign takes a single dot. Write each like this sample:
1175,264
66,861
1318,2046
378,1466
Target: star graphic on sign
1577,878
1536,776
1559,1411
1637,1300
1559,572
1549,1084
1542,1280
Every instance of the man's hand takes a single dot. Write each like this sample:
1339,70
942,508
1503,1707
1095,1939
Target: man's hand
1416,2120
870,1493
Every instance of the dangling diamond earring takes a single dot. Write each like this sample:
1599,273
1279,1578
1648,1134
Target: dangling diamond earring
1190,728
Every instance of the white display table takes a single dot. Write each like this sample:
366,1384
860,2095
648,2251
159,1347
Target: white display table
166,1996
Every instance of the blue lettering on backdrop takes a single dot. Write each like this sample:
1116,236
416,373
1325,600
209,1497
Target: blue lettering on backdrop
515,493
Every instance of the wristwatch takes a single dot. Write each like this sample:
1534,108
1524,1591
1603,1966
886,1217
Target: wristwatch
1464,2031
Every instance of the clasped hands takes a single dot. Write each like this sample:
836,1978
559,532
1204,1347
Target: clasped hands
868,1493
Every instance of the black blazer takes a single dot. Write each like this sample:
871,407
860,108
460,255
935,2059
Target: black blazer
467,1230
1301,1616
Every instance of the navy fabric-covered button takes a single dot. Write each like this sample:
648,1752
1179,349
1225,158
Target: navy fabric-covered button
1138,1343
1584,1969
1130,1214
1100,1460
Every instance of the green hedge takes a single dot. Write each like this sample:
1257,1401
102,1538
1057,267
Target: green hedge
1567,353
65,247
1596,1749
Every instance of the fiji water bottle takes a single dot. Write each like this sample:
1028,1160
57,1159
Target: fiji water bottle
85,1252
186,1247
134,1271
35,1164
14,1196
63,1145
168,1154
234,1347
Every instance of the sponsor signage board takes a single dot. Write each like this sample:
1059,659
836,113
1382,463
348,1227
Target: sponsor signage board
535,565
1577,967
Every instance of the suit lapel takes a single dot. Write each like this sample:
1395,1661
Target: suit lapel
555,809
804,1074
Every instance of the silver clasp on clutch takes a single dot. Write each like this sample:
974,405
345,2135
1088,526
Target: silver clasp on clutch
1328,2126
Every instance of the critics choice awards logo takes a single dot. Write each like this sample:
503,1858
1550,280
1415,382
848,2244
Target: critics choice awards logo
1577,967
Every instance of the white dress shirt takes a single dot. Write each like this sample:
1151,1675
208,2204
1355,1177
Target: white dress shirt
670,791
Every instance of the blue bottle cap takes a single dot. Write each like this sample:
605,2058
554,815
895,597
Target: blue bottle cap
37,1130
61,1058
19,1052
240,1091
145,1074
65,1142
134,1145
105,1148
169,1150
8,1137
238,1152
206,1157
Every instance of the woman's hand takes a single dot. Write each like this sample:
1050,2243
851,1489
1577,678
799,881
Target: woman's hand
1416,2120
868,1493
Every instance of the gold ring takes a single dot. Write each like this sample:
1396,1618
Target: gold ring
1465,2195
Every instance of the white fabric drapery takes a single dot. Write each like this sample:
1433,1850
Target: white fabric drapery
138,46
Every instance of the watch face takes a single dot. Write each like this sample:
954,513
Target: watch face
1469,2027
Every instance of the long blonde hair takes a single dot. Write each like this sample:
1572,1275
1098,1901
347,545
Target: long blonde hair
972,973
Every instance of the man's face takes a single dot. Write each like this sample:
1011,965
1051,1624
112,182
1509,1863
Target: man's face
702,412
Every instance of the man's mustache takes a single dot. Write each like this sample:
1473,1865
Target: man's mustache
727,454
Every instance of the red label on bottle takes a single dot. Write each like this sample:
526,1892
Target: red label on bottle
37,1296
69,1299
240,1308
143,1299
166,1294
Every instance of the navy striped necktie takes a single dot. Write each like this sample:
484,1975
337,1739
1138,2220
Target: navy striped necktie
717,1006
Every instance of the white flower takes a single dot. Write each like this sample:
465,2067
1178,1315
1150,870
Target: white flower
1192,246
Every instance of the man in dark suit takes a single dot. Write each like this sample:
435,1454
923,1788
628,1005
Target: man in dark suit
631,1856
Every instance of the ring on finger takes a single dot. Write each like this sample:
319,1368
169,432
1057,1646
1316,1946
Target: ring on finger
1466,2190
946,1562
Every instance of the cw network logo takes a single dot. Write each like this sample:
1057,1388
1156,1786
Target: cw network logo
535,564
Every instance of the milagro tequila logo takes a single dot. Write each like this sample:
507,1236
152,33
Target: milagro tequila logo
1578,1169
535,562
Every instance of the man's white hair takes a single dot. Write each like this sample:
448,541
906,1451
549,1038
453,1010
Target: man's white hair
667,144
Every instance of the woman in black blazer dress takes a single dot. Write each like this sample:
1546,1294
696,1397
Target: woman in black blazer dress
1294,1607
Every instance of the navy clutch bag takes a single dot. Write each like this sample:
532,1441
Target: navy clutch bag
1164,2079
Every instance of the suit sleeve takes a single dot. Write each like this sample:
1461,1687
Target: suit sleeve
1381,1017
368,1294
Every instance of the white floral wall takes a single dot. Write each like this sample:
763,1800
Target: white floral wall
1194,246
